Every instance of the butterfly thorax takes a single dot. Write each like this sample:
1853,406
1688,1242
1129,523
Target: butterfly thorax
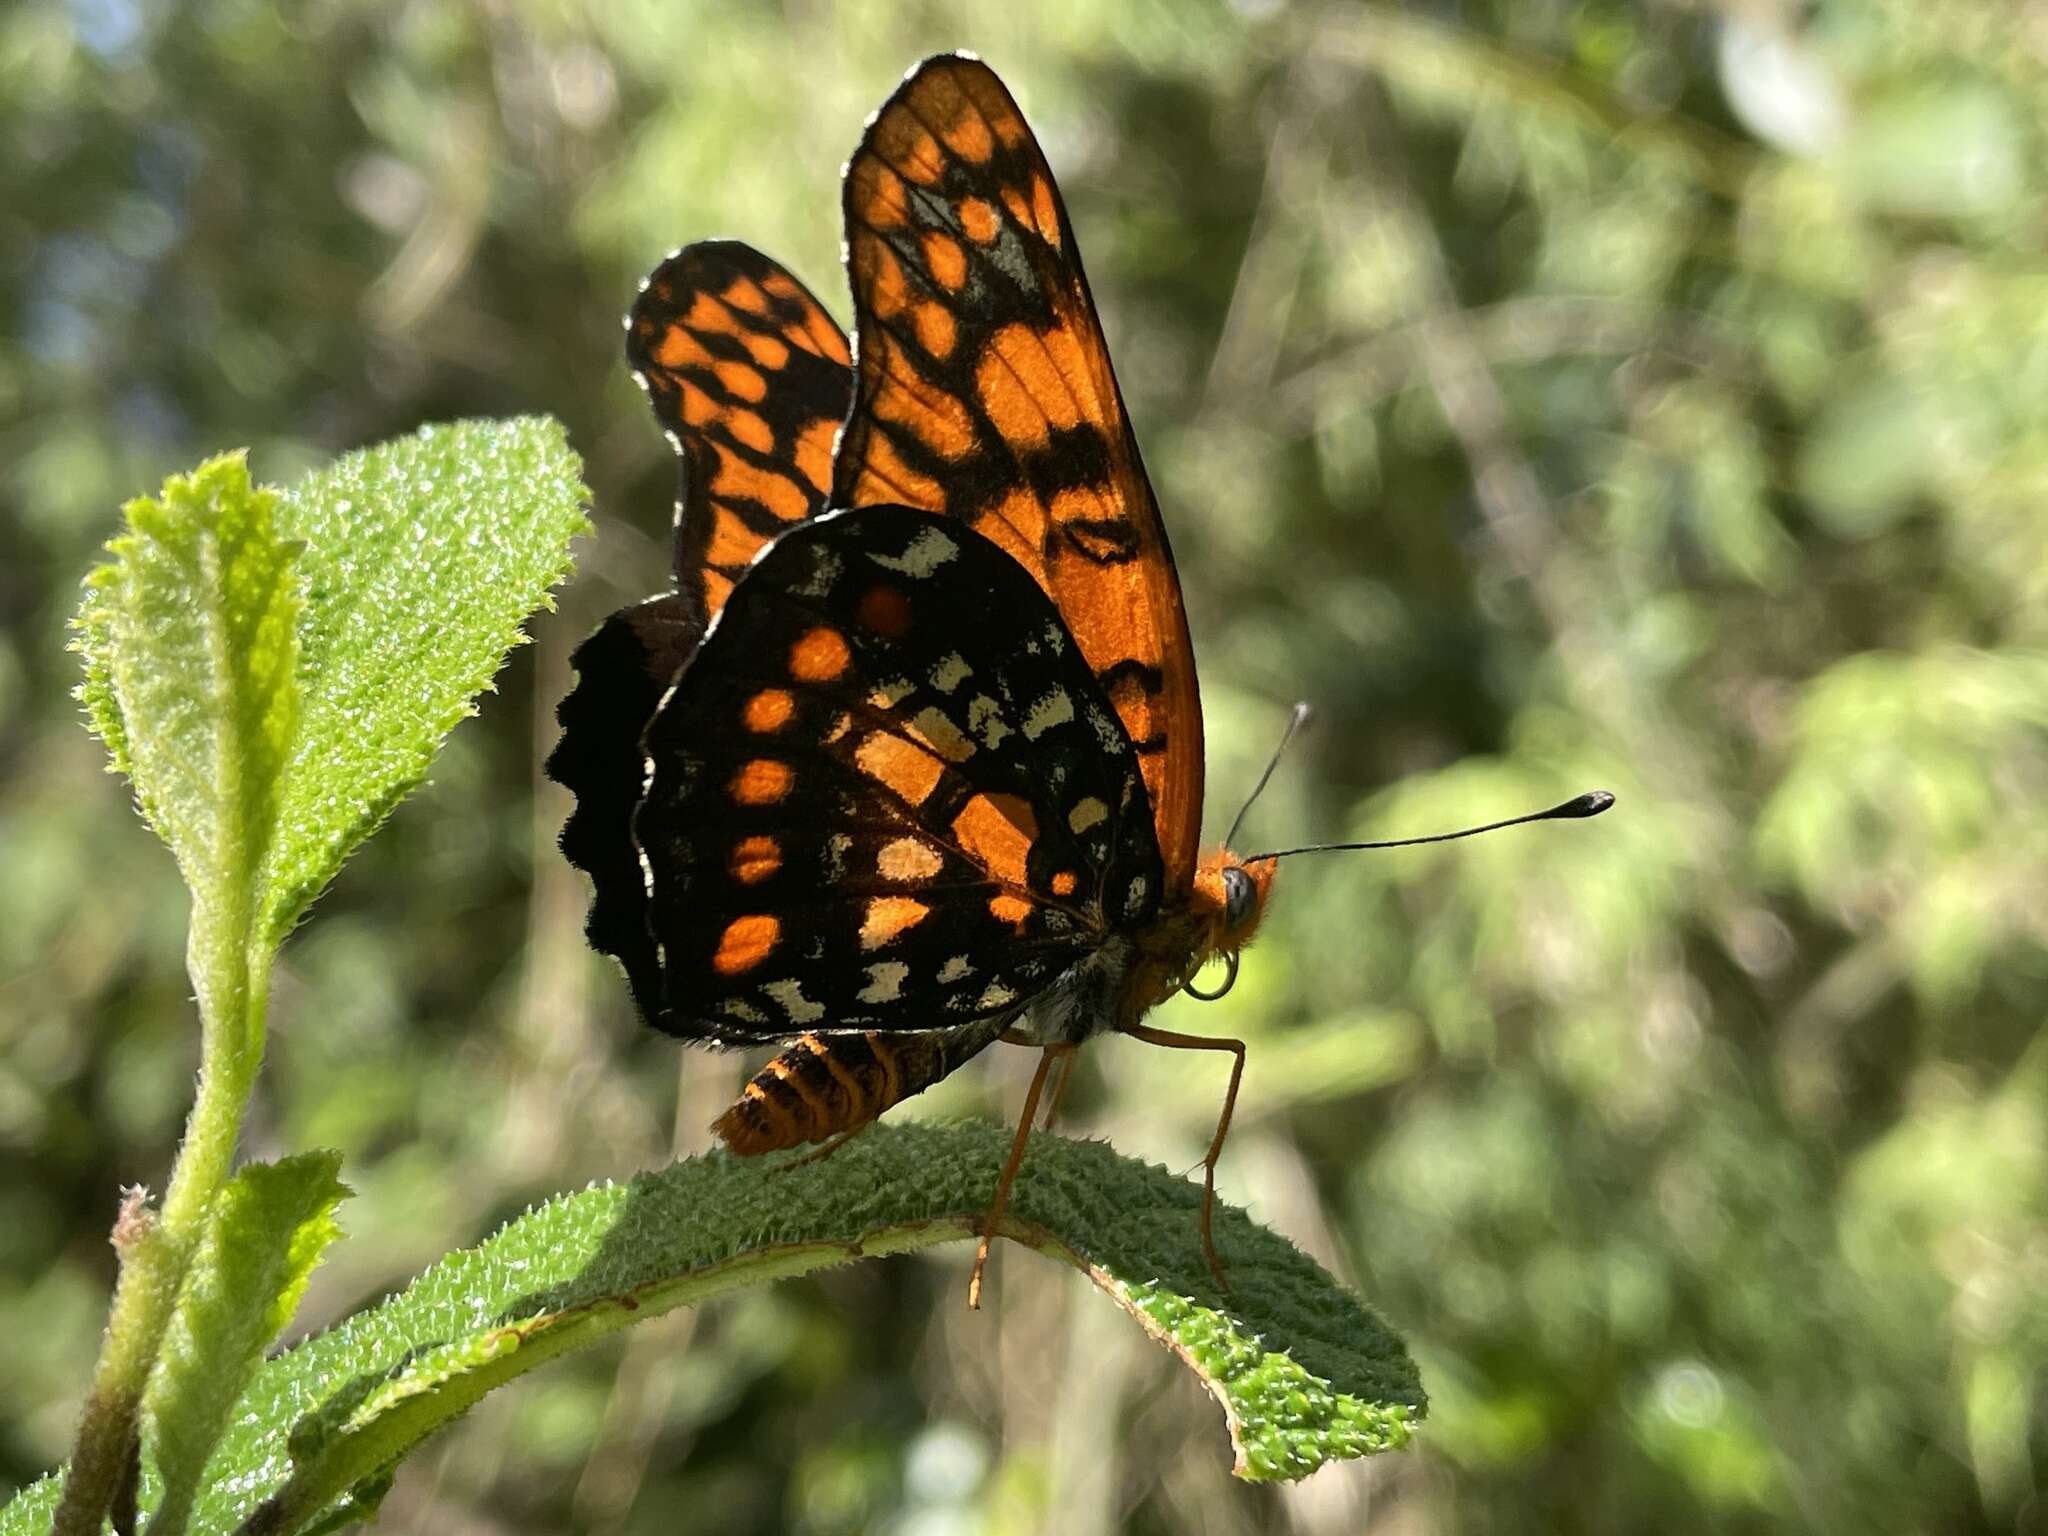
1135,970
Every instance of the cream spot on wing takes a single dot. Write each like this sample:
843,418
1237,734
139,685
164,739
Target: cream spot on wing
985,719
942,735
996,995
823,577
951,672
1107,731
836,848
907,858
955,969
927,552
790,996
1054,709
888,695
885,982
1089,813
1134,897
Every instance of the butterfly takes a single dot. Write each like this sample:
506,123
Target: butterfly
909,760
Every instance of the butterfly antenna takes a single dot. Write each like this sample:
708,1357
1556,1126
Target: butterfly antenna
1592,803
1295,722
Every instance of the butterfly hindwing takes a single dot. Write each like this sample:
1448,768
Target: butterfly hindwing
749,376
621,673
887,793
983,390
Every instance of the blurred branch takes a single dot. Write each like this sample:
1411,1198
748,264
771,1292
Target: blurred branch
1452,60
1592,660
1455,364
1531,330
1842,997
1269,272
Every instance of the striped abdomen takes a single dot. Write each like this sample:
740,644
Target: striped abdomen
825,1084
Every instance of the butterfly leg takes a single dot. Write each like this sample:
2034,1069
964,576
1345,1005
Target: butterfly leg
1010,1167
1176,1042
1059,1089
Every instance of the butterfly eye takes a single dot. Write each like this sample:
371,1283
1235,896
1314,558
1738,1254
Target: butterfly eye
1238,896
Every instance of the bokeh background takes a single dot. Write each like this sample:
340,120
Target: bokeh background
1557,394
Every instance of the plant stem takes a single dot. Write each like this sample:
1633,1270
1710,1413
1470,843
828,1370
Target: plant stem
233,989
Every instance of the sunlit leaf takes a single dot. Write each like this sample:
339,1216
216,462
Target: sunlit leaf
423,556
190,648
271,1224
1304,1373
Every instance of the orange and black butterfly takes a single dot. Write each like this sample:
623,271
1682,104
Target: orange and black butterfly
910,760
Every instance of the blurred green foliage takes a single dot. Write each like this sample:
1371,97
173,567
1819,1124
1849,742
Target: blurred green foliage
1648,395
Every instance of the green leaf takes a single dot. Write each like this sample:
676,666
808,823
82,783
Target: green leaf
190,652
28,1513
275,672
423,556
271,1224
1304,1373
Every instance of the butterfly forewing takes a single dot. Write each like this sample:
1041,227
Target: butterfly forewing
887,794
749,377
983,391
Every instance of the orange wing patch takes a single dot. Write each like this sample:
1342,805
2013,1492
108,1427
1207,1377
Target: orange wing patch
888,918
751,378
903,767
746,942
769,710
979,220
997,832
754,859
819,656
983,390
763,781
944,259
1013,910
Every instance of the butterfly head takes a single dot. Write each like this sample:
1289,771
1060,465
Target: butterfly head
1230,898
1226,901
